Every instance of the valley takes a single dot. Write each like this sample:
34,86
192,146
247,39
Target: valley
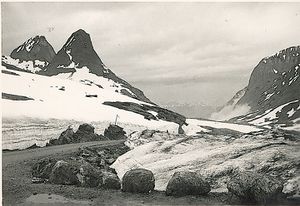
47,96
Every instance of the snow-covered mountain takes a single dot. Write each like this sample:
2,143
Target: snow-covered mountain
273,93
77,85
78,54
32,56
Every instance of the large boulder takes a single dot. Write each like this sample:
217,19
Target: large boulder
138,181
254,187
187,183
88,175
87,128
64,173
114,132
66,137
42,169
86,133
110,181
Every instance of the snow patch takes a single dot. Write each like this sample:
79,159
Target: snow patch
195,126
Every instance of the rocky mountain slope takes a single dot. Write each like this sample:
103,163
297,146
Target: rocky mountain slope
32,56
78,53
273,92
76,85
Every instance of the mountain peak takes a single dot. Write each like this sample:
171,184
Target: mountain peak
80,32
35,48
76,53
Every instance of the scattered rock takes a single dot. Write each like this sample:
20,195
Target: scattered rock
114,132
110,181
64,173
138,181
187,183
43,168
254,187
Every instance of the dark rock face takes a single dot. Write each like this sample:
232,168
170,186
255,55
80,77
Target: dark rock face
86,133
78,49
87,128
15,97
37,48
263,79
66,137
114,132
110,181
144,109
64,173
42,169
138,181
273,82
187,183
254,187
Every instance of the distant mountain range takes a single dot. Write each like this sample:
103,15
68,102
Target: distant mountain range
190,110
272,96
74,83
40,82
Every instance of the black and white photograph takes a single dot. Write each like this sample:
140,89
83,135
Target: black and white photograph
150,103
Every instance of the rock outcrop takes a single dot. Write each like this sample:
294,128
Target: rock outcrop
150,112
36,48
138,181
187,183
85,133
114,132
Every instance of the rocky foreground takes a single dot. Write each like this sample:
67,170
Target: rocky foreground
261,167
217,157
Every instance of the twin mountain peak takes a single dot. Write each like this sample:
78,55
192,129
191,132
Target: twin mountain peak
76,53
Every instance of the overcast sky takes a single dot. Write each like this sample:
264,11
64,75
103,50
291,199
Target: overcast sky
174,52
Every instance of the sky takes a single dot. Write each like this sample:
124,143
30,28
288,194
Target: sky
196,53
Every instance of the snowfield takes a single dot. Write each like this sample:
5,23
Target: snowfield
194,126
61,98
68,99
215,157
